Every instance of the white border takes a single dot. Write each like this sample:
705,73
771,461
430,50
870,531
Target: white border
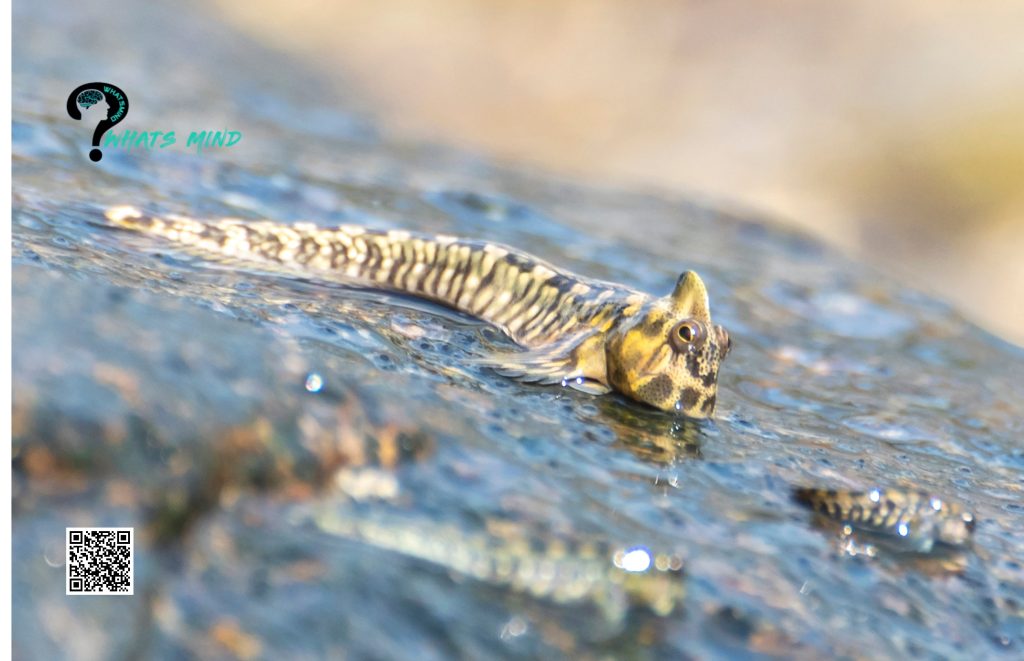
5,332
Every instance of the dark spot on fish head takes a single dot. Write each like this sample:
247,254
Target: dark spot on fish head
691,397
658,389
692,359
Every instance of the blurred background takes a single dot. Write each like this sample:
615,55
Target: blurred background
892,130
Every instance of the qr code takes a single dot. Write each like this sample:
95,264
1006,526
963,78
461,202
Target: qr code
100,561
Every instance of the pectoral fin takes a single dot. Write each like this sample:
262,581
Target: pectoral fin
588,386
532,366
576,362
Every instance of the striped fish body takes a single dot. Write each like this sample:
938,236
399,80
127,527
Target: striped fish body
562,571
532,301
913,519
592,335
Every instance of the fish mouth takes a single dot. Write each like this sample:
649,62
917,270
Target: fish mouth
694,413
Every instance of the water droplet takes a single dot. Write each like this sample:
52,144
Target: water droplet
54,555
514,628
314,382
634,560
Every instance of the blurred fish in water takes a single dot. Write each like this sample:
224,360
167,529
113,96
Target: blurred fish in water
913,520
568,571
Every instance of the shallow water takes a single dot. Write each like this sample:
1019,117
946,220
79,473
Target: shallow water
215,408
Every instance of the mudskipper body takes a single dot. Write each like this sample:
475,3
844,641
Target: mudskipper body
591,335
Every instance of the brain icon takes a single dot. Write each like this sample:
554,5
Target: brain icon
89,98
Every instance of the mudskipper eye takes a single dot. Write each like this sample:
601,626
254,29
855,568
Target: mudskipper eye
684,334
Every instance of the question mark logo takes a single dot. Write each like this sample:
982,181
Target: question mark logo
89,95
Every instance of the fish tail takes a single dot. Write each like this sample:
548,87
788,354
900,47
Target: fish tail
303,244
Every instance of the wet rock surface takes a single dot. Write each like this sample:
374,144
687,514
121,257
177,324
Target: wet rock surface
218,409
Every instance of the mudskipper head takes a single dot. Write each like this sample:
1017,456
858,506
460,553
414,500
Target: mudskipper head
957,526
667,355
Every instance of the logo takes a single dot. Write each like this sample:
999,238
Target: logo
92,94
113,102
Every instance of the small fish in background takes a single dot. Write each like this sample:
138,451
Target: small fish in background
617,579
910,520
